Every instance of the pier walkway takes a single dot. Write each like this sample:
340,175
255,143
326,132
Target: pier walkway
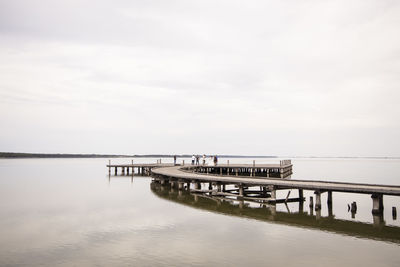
179,172
179,175
253,182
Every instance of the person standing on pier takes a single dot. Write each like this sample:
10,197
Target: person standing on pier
174,160
215,160
193,159
197,160
204,159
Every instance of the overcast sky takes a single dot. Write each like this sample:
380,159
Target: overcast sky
222,77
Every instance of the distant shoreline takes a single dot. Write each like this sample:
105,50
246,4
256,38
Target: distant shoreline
13,155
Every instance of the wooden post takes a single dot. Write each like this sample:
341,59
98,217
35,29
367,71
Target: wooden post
116,170
318,214
353,207
317,200
301,195
378,219
377,203
273,192
301,206
394,213
180,185
241,190
197,185
329,197
311,203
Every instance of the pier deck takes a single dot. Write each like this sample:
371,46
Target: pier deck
245,177
178,173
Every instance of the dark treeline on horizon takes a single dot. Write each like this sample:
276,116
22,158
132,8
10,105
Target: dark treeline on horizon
60,155
16,155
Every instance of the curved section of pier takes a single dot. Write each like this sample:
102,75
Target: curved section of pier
242,178
179,172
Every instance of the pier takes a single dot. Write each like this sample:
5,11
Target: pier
254,182
141,169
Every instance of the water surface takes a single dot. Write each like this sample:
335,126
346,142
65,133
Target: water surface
63,212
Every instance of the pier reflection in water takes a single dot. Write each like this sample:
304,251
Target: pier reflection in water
268,212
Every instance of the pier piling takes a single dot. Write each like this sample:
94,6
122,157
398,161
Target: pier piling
317,200
377,203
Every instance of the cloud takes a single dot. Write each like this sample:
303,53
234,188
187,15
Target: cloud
259,72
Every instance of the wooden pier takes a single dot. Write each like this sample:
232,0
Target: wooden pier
281,170
253,182
141,169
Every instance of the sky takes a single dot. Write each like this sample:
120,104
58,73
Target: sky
285,78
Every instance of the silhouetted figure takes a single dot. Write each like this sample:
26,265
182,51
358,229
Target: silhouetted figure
215,160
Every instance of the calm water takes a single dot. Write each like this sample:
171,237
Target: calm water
57,212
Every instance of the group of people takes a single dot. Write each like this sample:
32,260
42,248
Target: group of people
196,159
